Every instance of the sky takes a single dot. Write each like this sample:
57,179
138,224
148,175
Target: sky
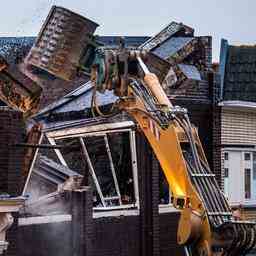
230,19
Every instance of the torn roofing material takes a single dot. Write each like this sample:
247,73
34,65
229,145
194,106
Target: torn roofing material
190,71
78,100
171,46
240,74
166,33
52,171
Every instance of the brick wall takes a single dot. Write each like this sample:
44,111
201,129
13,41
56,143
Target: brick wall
216,128
149,197
12,130
115,236
168,235
61,238
53,239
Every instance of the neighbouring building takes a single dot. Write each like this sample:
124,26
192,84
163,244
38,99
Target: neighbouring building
237,121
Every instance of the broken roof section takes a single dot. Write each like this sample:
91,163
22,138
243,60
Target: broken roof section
61,43
238,72
173,29
53,172
175,43
75,105
14,50
172,46
172,40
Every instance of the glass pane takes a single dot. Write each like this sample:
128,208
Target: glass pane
106,173
226,155
247,156
226,181
226,173
72,153
254,165
247,183
100,161
254,176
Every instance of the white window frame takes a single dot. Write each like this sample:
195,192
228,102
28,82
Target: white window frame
53,137
245,164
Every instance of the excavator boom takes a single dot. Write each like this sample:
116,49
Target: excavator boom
207,226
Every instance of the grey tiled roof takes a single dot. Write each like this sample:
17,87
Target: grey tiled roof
11,47
14,48
240,74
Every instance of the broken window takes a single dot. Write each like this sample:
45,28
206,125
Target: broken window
48,177
105,160
109,160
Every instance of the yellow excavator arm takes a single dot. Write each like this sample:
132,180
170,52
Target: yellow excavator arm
206,226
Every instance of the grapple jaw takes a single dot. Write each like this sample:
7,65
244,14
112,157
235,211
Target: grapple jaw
234,238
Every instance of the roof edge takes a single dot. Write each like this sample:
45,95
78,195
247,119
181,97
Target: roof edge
223,61
238,104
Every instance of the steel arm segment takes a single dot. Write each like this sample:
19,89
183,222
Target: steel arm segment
206,226
166,146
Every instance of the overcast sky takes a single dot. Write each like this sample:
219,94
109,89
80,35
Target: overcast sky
231,19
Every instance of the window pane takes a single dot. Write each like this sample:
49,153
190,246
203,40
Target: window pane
254,176
247,156
226,181
254,165
111,159
247,183
226,173
226,155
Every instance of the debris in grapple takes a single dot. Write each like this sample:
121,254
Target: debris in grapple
64,42
17,90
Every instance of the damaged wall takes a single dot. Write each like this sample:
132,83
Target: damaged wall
147,233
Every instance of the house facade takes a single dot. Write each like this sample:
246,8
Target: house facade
237,114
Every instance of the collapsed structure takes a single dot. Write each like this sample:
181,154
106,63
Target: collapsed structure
110,155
